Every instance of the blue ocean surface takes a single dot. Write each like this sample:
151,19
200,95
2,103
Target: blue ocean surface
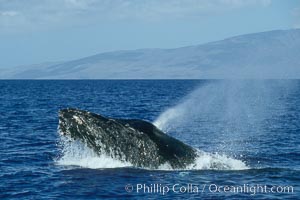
248,131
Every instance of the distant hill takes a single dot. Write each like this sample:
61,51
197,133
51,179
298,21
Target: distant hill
273,54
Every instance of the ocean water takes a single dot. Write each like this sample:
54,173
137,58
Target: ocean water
247,130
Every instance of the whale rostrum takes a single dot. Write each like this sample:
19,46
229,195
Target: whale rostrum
132,140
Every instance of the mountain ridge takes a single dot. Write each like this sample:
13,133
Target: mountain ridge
271,54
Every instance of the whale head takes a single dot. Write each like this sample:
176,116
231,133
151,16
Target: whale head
136,141
75,124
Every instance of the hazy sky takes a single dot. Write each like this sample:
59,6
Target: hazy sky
35,31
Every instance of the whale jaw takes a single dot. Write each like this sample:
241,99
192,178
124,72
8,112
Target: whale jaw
135,141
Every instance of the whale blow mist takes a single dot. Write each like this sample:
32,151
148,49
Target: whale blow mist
227,114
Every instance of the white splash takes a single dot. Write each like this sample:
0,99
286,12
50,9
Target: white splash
207,161
74,153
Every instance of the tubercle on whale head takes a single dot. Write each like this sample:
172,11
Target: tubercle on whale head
70,119
80,124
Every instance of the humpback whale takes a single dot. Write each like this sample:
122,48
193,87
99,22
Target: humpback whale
132,140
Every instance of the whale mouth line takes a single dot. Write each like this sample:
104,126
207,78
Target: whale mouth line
93,141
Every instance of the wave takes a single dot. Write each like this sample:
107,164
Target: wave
77,154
